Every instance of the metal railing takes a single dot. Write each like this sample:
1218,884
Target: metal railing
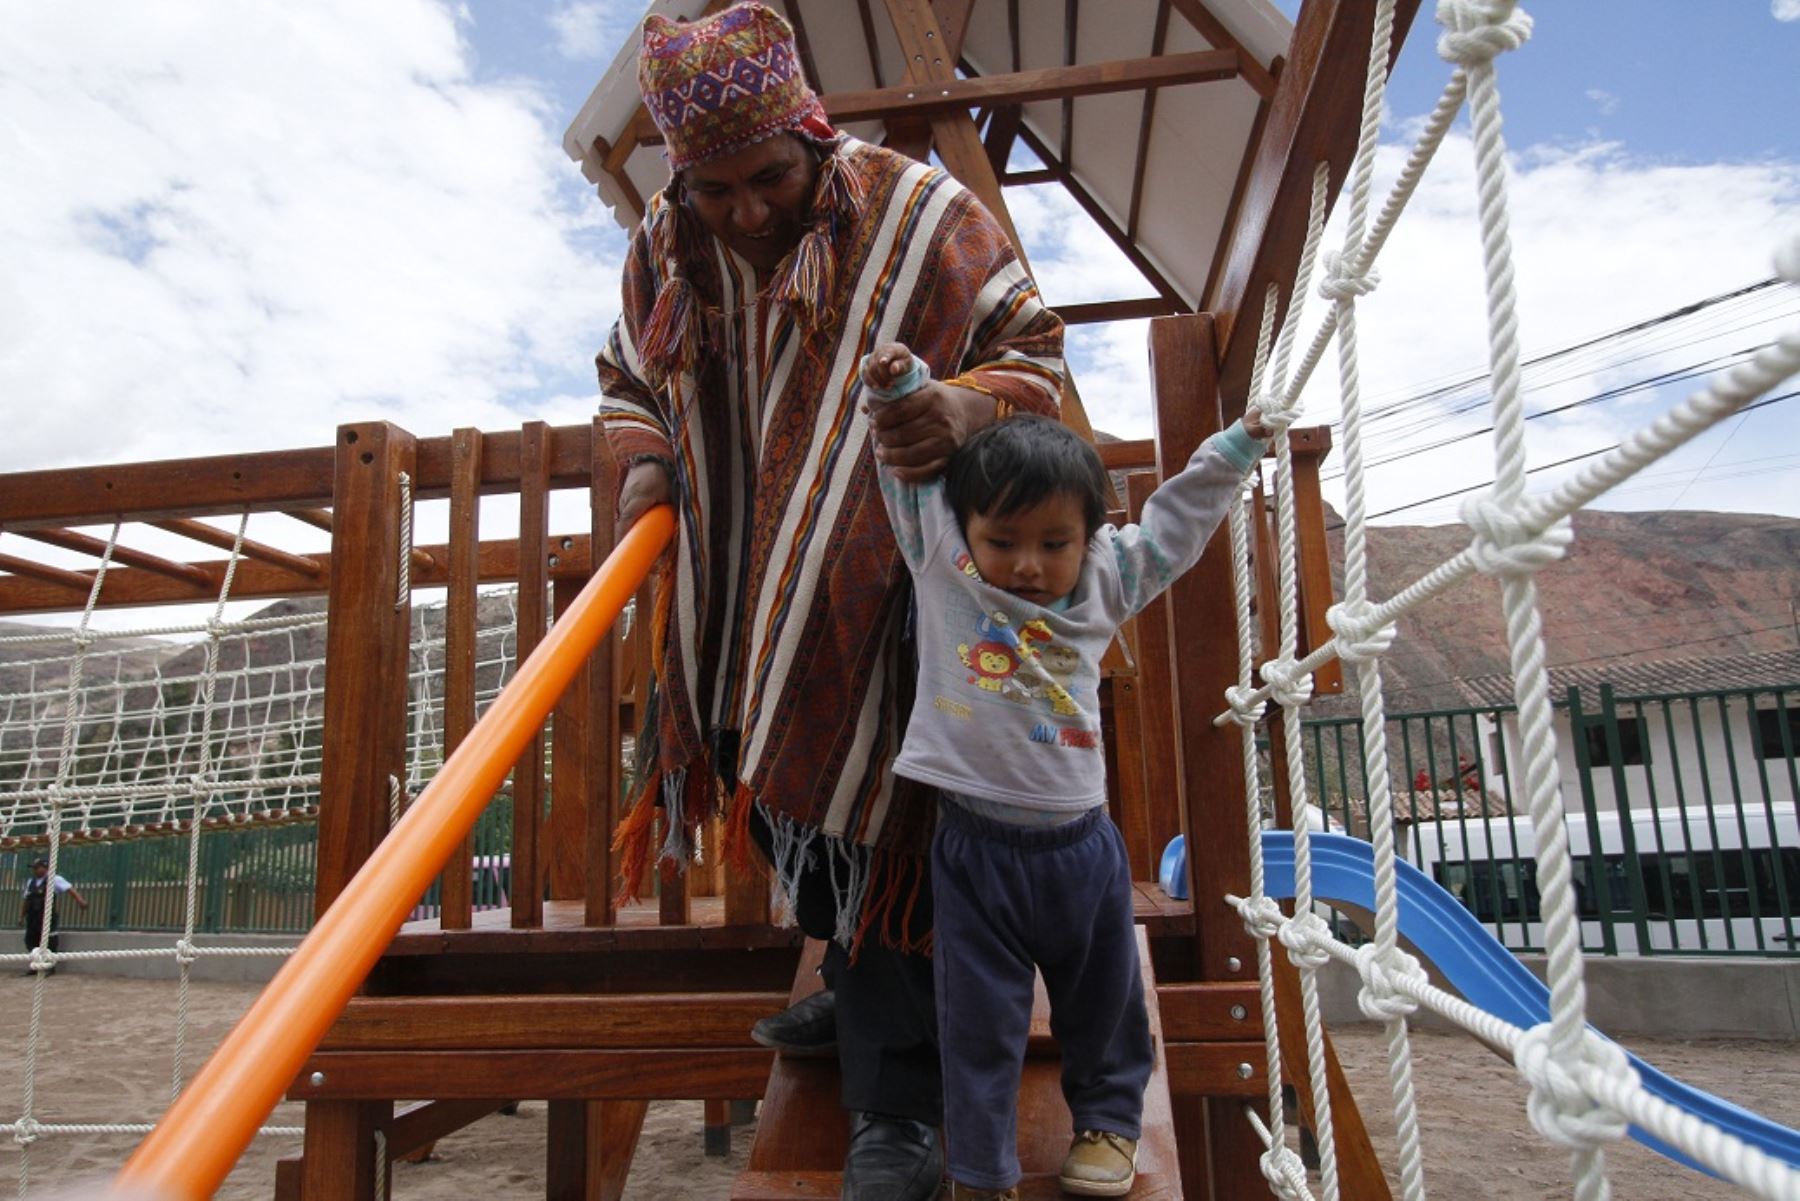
1680,815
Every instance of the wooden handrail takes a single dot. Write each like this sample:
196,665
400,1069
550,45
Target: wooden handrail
194,1146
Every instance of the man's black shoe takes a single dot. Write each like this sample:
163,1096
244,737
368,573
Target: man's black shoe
892,1159
806,1028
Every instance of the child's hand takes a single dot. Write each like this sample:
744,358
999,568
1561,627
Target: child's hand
886,364
1253,424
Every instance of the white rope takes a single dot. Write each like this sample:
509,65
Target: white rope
1582,1091
404,595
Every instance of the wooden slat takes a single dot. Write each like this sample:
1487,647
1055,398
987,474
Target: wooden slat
1115,310
1206,1012
1315,556
457,891
80,584
606,805
199,531
527,891
575,759
367,645
1239,183
1159,39
1156,691
515,1023
953,95
319,519
88,545
1213,30
1125,745
419,1126
558,1074
1127,456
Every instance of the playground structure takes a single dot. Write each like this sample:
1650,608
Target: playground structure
600,1009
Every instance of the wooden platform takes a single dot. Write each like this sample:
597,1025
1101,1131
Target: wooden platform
800,1143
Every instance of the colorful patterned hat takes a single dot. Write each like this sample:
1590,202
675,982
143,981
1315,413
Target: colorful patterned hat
721,83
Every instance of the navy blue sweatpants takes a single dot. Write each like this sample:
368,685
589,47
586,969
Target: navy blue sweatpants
1009,899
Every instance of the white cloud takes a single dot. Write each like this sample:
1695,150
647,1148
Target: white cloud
241,225
1605,101
1601,239
1785,10
589,28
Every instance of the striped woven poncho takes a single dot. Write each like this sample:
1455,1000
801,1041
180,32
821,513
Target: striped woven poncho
780,640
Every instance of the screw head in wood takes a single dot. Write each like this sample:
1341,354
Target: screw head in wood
1245,1071
1239,1013
318,1079
1234,964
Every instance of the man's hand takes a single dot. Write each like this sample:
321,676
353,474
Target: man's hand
647,485
917,434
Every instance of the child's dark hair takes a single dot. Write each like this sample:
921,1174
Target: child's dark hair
1017,463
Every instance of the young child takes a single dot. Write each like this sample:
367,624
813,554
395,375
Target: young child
1019,588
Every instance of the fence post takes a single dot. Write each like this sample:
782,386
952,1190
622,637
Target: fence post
1596,856
123,854
1615,752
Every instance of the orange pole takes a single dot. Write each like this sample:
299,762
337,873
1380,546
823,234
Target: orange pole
192,1149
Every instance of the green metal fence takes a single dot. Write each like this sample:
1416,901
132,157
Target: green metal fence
257,880
1680,815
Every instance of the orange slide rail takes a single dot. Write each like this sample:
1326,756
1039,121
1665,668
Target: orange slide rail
194,1146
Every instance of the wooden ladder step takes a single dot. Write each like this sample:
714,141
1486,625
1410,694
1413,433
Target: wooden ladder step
801,1135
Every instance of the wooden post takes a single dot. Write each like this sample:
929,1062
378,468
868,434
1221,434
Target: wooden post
573,765
366,651
1183,358
527,891
456,890
339,1159
1156,685
604,742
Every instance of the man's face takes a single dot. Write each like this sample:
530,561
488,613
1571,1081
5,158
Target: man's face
757,200
40,870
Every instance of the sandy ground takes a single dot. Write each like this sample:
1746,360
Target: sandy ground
107,1057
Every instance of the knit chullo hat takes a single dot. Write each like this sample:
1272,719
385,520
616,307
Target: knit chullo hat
724,82
713,87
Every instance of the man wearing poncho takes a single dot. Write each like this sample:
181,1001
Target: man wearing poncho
779,254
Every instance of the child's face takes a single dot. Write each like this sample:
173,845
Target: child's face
1034,553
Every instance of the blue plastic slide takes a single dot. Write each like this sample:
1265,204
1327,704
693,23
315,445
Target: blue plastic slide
1460,950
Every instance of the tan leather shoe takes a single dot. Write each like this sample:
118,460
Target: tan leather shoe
1100,1164
962,1192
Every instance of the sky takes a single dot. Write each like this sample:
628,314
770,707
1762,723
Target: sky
229,227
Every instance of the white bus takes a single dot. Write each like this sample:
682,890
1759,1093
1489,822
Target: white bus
1677,881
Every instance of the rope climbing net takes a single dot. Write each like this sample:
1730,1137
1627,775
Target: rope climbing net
181,733
1582,1090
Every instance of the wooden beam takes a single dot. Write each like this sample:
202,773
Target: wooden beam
1210,1012
527,891
1238,185
1127,456
1315,115
1216,1070
620,1021
74,583
803,44
1071,24
634,199
1159,39
339,1160
1213,30
421,1125
212,535
457,890
869,42
319,519
87,545
1156,687
1002,132
1031,178
1118,310
953,95
606,804
555,1074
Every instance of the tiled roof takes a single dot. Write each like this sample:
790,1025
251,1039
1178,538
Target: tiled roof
1771,669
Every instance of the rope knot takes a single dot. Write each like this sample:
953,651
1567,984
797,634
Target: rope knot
1340,283
1288,685
83,639
1276,412
1243,711
25,1131
1359,639
1560,1108
42,959
185,952
1262,916
1506,545
1305,937
1286,1174
1381,999
1479,31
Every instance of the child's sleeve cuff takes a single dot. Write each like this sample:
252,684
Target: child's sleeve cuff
1239,446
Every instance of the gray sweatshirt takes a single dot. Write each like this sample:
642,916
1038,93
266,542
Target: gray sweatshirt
1008,704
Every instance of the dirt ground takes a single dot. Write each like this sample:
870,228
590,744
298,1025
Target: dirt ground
107,1058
